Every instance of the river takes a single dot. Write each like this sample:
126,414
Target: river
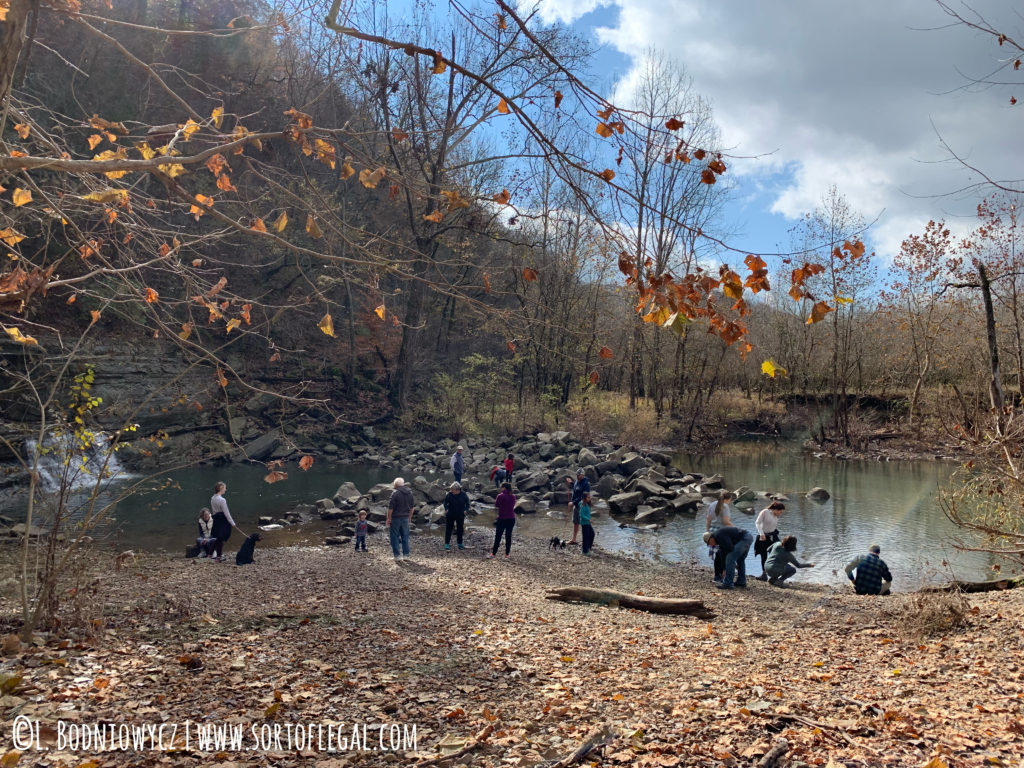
893,504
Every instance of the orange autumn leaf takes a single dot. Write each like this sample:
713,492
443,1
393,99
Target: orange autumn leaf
379,311
186,331
398,134
595,377
204,202
96,139
282,222
346,168
305,463
326,325
72,298
220,378
21,196
218,287
700,154
502,197
95,314
275,476
312,229
606,353
529,274
503,107
246,309
603,130
276,357
23,130
258,226
607,174
370,179
604,114
487,283
707,176
673,124
216,164
435,217
511,346
152,296
233,323
439,64
818,312
224,183
558,99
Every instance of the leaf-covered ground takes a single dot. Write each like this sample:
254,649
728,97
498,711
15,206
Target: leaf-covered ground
462,647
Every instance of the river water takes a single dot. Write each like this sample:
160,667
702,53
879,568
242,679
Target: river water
893,504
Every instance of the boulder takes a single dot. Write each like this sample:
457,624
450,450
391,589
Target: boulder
819,495
337,541
324,504
647,488
543,437
607,486
330,449
534,481
381,491
631,462
559,461
377,515
547,450
264,520
525,505
261,448
559,436
609,465
684,504
34,532
660,458
715,481
586,458
347,491
331,514
625,503
646,514
745,493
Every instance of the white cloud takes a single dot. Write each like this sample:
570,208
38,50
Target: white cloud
851,94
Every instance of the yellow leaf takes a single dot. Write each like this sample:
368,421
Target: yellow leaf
21,196
380,311
119,196
218,116
503,107
186,331
658,316
676,323
771,369
16,334
370,179
96,139
147,152
455,200
843,300
110,154
190,128
897,672
346,168
204,203
233,323
172,169
10,759
936,762
312,229
282,222
10,236
567,659
733,290
23,130
326,325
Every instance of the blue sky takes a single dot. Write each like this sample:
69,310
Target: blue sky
825,92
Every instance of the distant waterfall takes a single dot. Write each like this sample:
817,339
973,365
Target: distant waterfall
81,471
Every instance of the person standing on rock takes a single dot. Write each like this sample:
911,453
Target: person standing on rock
510,465
579,489
457,464
767,524
456,505
506,504
873,577
782,563
719,515
400,507
222,522
735,544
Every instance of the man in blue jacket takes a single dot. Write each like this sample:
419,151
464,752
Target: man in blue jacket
457,464
734,543
873,577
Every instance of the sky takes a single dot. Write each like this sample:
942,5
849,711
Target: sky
814,93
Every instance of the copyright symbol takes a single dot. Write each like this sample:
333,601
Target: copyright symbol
21,735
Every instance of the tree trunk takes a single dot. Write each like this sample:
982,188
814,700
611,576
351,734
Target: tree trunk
995,383
622,600
12,39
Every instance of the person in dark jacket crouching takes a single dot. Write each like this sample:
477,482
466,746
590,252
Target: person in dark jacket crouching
873,577
734,543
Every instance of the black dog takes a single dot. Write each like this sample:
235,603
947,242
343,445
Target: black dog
556,543
244,556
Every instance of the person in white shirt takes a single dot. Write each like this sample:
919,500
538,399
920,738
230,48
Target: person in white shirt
767,524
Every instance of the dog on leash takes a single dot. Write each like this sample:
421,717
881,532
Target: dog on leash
556,543
245,552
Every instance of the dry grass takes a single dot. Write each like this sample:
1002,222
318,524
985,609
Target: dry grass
606,415
924,615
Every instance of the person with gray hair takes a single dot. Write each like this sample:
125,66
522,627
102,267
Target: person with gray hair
873,577
457,464
399,516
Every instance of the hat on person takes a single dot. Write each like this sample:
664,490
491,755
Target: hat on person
456,486
874,548
707,536
579,471
459,448
399,482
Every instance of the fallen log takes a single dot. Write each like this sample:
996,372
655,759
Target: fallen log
978,586
622,600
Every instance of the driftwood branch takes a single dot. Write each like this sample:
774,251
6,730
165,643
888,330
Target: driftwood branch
481,736
977,586
597,738
638,602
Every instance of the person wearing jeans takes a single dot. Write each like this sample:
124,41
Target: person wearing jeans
734,543
506,504
588,529
400,508
456,504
